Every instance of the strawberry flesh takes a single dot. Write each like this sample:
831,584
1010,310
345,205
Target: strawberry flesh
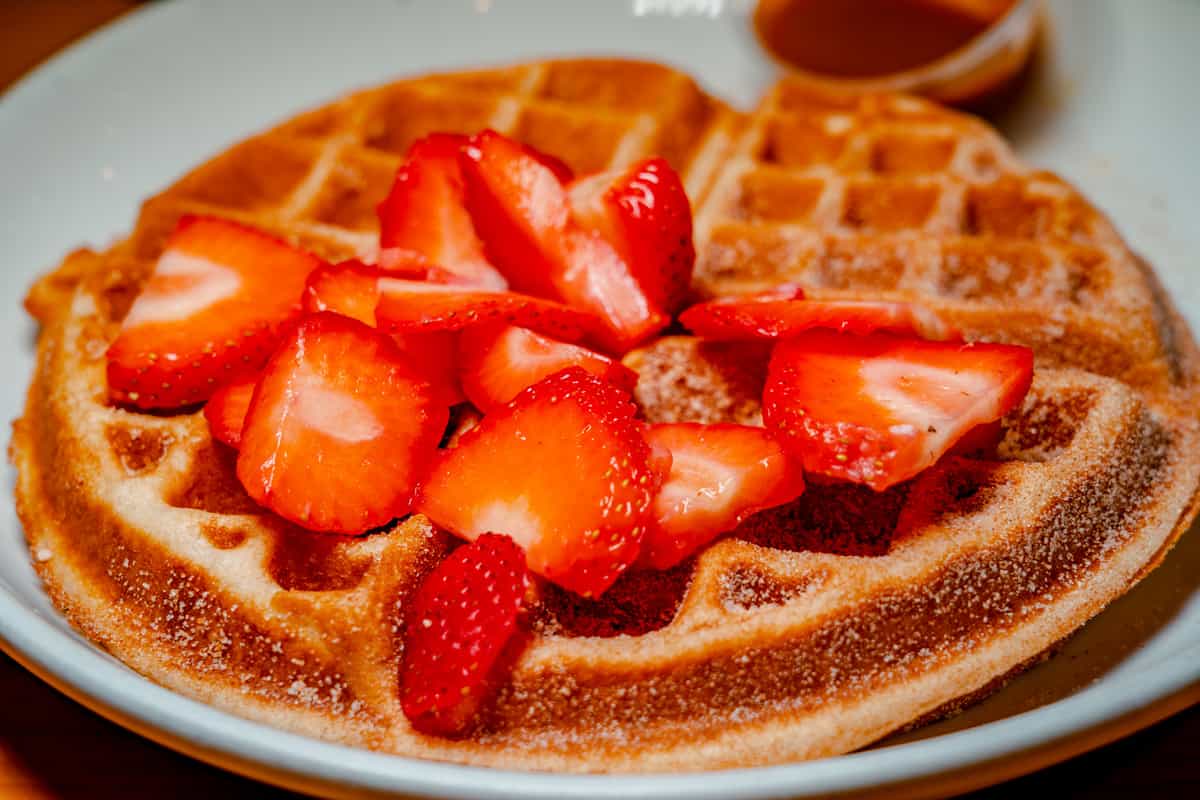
719,475
564,470
644,212
519,208
397,262
340,428
497,361
210,312
460,632
772,316
982,442
351,289
424,212
226,410
521,211
878,409
434,356
596,279
419,307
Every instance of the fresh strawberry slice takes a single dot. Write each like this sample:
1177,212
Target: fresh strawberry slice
416,307
209,312
226,410
596,279
351,289
399,262
519,208
982,441
496,362
424,212
644,212
561,171
434,356
564,470
772,315
462,634
340,428
720,474
521,211
878,409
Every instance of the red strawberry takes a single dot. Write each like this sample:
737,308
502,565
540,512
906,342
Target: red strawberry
878,409
561,171
417,307
424,212
226,410
981,441
458,641
596,279
564,470
644,212
340,428
720,474
434,356
209,312
521,212
773,315
351,289
401,262
496,362
398,262
519,208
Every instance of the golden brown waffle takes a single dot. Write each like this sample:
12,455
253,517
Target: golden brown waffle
814,629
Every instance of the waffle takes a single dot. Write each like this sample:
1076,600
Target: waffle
813,629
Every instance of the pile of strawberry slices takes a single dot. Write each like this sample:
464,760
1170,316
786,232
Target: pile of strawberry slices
505,282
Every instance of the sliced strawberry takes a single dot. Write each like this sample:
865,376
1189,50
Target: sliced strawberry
519,208
521,212
351,289
401,262
398,262
209,313
644,212
226,410
496,362
720,474
340,428
772,315
596,279
878,409
459,639
982,441
564,470
434,356
417,307
424,212
561,171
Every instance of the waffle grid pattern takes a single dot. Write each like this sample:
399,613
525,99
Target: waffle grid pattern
318,178
793,638
897,196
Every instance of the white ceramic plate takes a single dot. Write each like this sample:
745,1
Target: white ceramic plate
111,120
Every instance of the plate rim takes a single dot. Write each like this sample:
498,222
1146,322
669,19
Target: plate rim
950,763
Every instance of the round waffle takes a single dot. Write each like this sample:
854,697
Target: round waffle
813,629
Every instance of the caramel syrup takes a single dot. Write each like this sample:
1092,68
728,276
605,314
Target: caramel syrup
870,38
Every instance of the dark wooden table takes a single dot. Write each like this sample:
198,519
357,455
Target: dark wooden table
53,749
